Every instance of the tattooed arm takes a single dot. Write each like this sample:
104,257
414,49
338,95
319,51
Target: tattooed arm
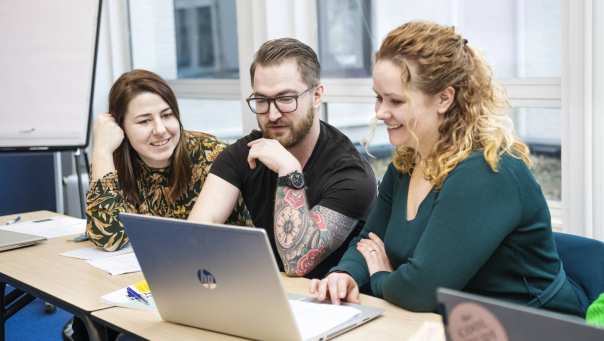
305,237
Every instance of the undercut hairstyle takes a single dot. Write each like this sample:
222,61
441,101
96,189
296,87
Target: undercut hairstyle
476,120
277,51
126,159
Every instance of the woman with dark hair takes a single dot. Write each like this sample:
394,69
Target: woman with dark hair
458,206
143,160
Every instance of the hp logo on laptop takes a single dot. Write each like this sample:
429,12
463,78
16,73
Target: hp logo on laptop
206,279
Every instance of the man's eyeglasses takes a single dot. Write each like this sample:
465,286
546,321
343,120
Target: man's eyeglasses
284,104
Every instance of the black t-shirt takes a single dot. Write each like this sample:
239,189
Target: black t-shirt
336,177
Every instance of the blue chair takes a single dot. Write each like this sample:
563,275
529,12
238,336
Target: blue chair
583,260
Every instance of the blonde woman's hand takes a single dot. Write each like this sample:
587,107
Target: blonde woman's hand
374,253
107,135
337,286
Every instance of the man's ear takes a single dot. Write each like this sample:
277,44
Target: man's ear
445,99
318,95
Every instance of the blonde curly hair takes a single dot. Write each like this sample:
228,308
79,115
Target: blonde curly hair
476,119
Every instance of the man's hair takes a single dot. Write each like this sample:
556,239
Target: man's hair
276,51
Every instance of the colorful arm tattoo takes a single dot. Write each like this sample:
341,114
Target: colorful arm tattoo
305,237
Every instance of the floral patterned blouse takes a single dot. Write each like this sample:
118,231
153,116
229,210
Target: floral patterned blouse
105,198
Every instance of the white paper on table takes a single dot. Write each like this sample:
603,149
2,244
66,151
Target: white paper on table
92,253
117,265
49,228
429,331
317,318
120,298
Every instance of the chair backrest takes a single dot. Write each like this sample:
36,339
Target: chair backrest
583,260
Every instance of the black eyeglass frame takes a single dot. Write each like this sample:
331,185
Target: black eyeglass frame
274,101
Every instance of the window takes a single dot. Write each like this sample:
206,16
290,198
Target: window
202,113
344,41
206,41
520,39
194,45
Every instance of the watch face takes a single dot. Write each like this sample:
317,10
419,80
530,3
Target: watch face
297,180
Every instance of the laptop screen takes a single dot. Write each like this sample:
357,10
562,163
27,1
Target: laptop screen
472,317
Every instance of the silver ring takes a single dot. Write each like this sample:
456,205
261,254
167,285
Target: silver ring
372,252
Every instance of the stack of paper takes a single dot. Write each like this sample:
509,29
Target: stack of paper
116,262
90,253
120,297
117,265
50,227
317,318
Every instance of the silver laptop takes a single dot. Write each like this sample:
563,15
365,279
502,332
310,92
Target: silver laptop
473,317
221,278
11,240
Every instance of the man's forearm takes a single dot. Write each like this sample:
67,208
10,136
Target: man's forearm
215,202
304,236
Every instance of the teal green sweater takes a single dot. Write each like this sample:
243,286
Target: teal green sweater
483,232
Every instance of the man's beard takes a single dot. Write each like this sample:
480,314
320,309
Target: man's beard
297,131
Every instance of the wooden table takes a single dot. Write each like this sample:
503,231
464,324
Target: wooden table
77,287
41,271
395,324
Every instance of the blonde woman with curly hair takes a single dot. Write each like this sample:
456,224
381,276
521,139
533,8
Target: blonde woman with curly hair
458,206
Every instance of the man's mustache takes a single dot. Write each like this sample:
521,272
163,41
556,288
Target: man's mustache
276,124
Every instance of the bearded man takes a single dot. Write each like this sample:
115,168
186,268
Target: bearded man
302,180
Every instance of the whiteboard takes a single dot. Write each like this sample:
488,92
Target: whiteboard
47,63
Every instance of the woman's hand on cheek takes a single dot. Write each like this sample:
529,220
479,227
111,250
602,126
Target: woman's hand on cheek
108,135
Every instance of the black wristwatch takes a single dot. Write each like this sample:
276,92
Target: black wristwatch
294,179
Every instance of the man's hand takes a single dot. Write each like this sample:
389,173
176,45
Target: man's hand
216,201
273,155
374,253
